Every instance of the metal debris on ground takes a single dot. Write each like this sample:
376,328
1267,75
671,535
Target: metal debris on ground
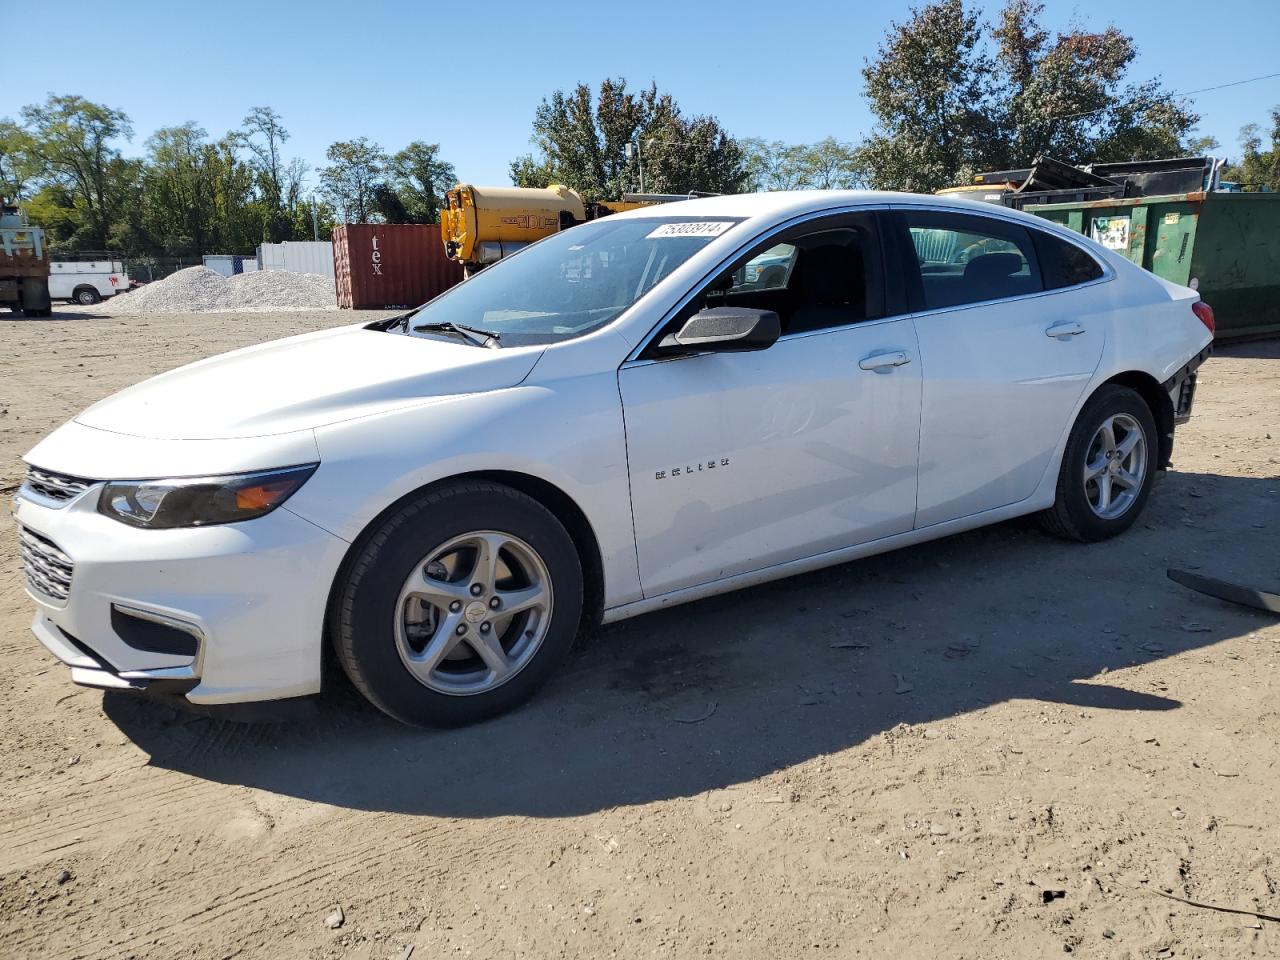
711,708
1231,592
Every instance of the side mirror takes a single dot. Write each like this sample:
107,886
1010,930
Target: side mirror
725,329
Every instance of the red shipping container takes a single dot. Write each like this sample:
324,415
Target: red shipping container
384,266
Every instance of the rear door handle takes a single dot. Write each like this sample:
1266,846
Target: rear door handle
1064,329
884,361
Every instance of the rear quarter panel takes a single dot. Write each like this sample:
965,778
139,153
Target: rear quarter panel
1149,329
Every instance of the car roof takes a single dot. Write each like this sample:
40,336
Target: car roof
779,204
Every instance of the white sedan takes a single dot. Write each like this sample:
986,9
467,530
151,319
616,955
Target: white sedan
647,409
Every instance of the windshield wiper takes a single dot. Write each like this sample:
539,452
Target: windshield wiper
481,338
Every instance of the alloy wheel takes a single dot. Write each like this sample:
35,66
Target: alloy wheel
473,613
1115,466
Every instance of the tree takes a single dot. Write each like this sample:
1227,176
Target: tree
581,140
928,89
18,164
197,196
180,189
826,165
1257,168
355,169
421,179
951,99
72,146
295,174
388,205
1067,96
264,134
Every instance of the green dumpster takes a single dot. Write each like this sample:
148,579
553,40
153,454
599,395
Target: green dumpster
1226,245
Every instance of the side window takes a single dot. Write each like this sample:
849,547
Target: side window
814,278
825,274
968,259
768,270
1062,263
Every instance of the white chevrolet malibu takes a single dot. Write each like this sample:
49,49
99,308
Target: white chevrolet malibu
637,412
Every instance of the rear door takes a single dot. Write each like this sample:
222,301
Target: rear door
1004,359
740,461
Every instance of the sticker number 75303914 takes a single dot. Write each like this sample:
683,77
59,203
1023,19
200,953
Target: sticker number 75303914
701,228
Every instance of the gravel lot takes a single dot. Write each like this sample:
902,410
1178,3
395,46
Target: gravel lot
904,756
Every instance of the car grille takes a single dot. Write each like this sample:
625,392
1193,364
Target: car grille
48,569
56,486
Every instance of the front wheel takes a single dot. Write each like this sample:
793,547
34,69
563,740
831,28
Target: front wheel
459,606
1108,468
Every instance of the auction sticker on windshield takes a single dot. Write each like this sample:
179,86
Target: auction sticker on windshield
702,228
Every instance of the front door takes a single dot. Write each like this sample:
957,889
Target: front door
740,461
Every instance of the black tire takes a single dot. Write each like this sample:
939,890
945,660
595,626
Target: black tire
87,296
38,313
1071,517
362,624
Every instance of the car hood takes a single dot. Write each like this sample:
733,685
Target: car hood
305,381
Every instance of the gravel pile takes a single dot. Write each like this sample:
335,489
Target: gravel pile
279,290
201,290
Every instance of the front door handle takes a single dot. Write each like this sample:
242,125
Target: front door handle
1064,329
883,362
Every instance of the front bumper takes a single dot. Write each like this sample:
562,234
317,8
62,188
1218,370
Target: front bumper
221,614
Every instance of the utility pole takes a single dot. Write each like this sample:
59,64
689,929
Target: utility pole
315,223
633,148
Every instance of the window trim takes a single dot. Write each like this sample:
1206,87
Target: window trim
1056,236
913,261
891,302
917,306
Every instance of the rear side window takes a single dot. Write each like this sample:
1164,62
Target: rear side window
969,259
1063,264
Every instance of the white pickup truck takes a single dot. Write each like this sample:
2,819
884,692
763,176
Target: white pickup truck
86,281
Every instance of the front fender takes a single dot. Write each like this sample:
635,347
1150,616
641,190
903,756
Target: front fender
570,437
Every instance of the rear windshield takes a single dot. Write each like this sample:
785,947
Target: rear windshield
572,282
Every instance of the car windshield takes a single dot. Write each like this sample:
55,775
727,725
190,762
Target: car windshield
572,282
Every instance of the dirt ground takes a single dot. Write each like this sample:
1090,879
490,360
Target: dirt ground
908,756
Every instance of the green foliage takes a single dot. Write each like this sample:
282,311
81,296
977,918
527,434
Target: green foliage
355,169
928,89
264,135
953,97
420,180
581,141
190,194
18,167
1257,168
826,165
71,145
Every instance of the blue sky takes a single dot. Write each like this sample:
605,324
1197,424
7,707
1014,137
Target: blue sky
396,72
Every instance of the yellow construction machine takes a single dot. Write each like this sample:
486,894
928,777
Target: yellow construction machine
481,225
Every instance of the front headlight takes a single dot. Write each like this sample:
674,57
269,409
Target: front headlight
199,502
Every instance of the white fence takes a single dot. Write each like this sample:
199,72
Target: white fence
297,256
229,264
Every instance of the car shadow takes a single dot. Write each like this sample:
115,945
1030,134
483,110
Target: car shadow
732,688
61,314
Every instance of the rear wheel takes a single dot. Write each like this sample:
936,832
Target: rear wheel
1108,468
459,606
87,296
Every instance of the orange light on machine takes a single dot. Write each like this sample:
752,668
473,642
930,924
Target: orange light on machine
263,495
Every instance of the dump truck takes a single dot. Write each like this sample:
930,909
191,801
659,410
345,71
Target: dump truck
481,225
24,264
